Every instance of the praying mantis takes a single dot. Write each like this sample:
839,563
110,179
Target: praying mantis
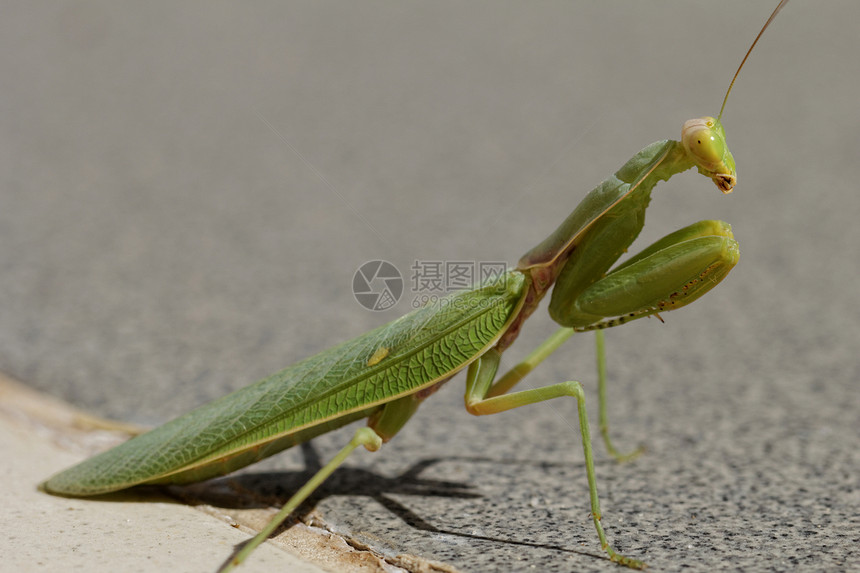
384,375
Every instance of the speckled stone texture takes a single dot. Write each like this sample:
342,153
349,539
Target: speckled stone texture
187,189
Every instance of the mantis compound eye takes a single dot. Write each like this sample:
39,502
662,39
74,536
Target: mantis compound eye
705,142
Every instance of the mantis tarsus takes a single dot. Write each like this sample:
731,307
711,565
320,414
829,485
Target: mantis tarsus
385,374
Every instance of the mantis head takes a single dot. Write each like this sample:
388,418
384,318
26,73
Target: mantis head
704,140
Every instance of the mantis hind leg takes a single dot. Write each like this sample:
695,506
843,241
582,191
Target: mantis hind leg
365,436
382,426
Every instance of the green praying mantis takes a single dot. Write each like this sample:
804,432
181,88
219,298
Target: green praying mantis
385,374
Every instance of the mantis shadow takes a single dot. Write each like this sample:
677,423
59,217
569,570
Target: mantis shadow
264,490
267,489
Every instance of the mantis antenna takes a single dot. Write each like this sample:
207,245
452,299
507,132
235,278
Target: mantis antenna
763,28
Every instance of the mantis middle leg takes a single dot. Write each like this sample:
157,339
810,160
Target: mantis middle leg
478,402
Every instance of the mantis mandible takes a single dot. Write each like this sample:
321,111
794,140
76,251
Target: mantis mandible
385,374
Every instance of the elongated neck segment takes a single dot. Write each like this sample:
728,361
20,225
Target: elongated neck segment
630,187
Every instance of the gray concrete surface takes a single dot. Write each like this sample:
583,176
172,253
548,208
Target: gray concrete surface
127,532
188,188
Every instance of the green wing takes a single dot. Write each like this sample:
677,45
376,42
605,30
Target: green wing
309,398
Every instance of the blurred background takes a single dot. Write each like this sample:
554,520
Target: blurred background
187,189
